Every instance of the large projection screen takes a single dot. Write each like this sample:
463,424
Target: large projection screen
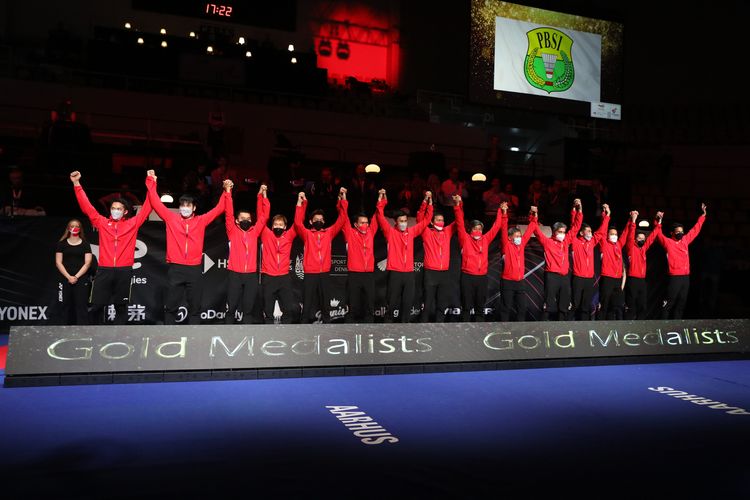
542,59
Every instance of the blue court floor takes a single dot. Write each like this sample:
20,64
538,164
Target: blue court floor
591,431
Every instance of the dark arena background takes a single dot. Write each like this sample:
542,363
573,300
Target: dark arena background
632,105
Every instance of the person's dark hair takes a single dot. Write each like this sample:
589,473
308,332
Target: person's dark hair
558,225
242,211
513,231
66,233
676,225
186,198
475,223
637,233
585,226
279,217
361,214
437,213
317,212
399,213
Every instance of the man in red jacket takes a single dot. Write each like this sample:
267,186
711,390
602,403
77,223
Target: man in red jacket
678,262
610,286
117,237
400,240
185,233
317,259
436,240
583,265
361,264
243,255
636,291
474,261
276,249
513,247
557,268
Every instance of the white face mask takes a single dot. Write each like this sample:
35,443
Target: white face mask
517,240
402,226
186,211
439,228
560,236
116,214
613,238
587,237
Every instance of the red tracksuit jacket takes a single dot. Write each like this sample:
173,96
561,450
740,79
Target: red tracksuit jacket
678,258
317,259
437,244
184,236
474,253
243,245
401,243
583,251
637,266
276,251
515,259
116,238
556,252
612,255
359,247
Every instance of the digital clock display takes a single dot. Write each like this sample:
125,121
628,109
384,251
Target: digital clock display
219,10
278,14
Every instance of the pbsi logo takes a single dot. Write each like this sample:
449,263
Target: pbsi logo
549,61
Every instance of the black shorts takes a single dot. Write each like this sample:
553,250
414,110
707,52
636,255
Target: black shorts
111,286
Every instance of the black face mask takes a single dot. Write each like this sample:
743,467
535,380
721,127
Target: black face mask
278,231
640,243
245,225
318,225
678,236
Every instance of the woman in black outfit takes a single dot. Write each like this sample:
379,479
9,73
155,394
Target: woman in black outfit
73,260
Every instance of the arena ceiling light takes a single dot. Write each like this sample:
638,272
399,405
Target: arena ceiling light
192,34
325,48
372,168
248,54
515,149
140,41
167,198
128,26
644,223
163,31
290,48
479,177
342,50
241,40
164,43
210,49
294,60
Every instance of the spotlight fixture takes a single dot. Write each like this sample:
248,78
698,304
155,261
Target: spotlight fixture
342,50
164,43
167,198
128,26
192,34
644,224
163,31
372,168
241,40
294,60
248,54
515,149
210,49
140,41
325,48
290,48
479,177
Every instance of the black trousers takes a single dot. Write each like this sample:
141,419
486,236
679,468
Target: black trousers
190,280
111,286
317,296
583,292
360,287
636,298
557,296
513,296
436,292
473,296
677,293
242,292
400,296
75,299
610,297
279,288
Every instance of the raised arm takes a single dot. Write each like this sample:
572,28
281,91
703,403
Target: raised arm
576,219
262,207
427,202
83,200
143,213
343,209
696,229
660,235
654,233
420,227
229,215
153,197
623,239
219,208
299,215
601,233
534,215
382,202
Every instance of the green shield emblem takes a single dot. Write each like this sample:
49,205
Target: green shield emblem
549,61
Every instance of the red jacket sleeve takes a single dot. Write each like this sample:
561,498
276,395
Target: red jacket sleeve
651,237
299,220
504,228
422,210
601,233
420,227
209,216
384,226
529,231
543,240
623,239
142,214
340,222
458,212
693,233
229,215
86,207
262,210
497,226
156,203
576,219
